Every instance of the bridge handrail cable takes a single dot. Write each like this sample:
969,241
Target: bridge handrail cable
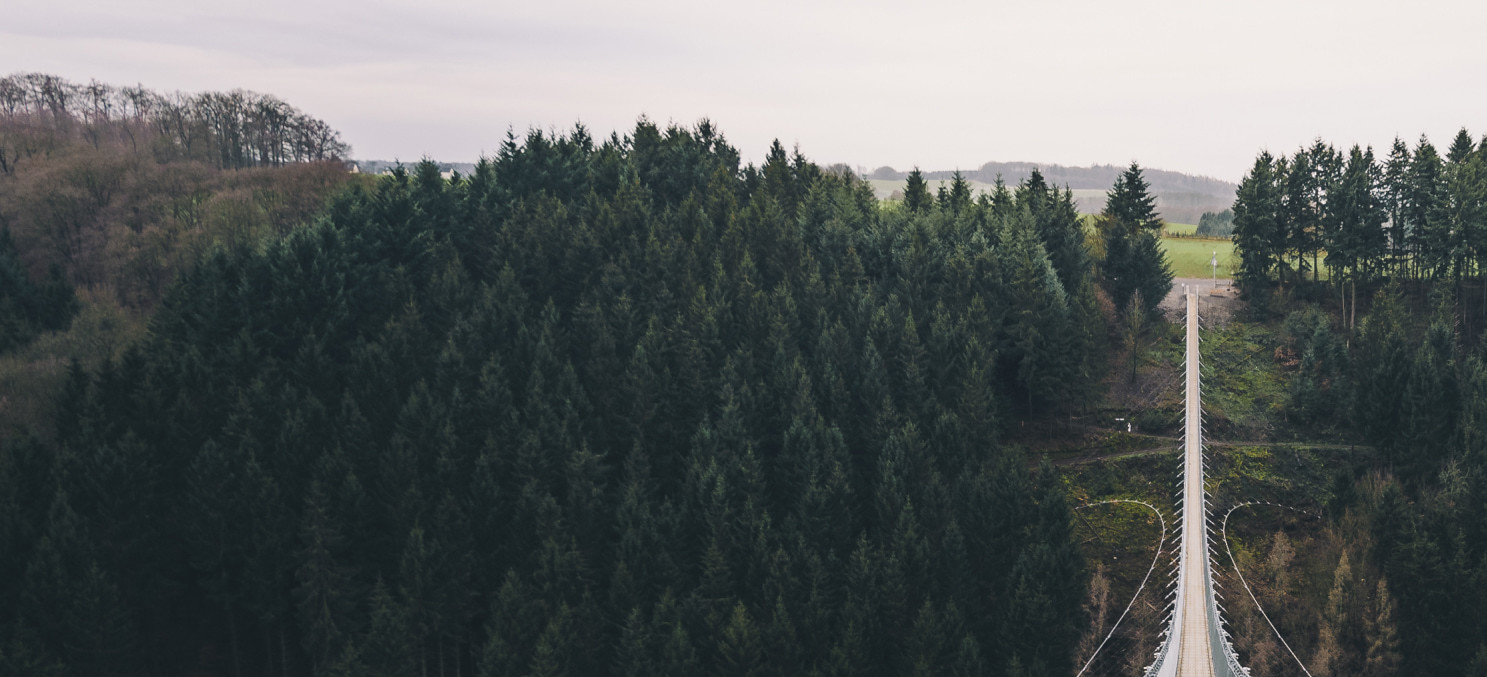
1161,545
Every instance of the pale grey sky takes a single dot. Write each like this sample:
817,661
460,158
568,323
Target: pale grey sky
1190,86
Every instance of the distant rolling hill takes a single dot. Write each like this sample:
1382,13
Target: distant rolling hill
1181,198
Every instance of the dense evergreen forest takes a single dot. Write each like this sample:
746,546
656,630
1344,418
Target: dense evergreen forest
1219,224
1376,267
617,406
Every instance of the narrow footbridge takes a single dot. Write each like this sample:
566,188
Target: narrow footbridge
1196,643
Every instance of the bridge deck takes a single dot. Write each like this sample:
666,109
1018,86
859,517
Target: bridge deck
1194,650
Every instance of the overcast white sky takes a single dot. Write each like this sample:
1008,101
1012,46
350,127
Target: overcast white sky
1191,86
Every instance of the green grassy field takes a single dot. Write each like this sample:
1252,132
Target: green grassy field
1088,198
1189,256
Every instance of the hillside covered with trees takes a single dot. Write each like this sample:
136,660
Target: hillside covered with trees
615,406
1375,264
107,193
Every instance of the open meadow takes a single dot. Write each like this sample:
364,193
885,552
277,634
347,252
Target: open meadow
1190,256
1088,199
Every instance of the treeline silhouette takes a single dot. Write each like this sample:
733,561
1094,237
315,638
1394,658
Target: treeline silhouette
619,407
99,210
228,130
118,188
1414,215
1093,177
1219,224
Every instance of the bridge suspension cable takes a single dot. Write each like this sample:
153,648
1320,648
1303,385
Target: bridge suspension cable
1224,531
1161,546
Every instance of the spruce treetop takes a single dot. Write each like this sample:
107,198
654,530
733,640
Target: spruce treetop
1130,202
1461,147
916,193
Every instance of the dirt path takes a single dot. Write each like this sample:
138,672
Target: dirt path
1076,457
1218,302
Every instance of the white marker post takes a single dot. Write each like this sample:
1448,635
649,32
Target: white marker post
1215,263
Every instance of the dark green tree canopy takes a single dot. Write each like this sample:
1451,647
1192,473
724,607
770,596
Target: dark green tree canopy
614,406
1129,226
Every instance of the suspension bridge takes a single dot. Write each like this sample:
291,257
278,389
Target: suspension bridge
1196,644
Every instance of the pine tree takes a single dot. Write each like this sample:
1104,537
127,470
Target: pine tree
1356,249
1471,424
849,655
1429,401
389,646
322,587
555,648
1041,321
1395,192
780,644
916,194
1097,609
968,660
924,650
1382,373
1326,170
1258,231
1342,633
1130,204
1133,257
1462,147
633,658
101,633
1059,226
1424,209
1381,636
348,664
1133,330
1466,208
739,651
678,655
958,197
1328,654
1001,199
511,630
